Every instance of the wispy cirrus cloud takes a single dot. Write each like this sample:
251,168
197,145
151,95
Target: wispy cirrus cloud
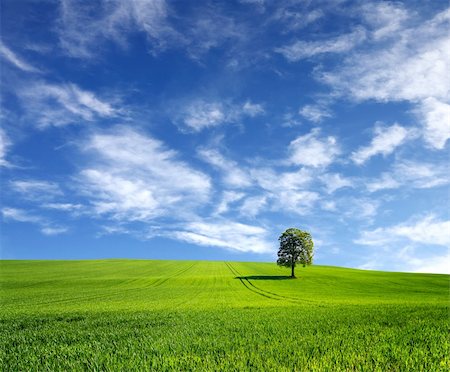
428,230
233,175
64,207
422,175
313,150
384,19
288,16
435,116
385,141
285,190
409,258
226,234
46,226
335,181
5,144
411,174
20,215
412,67
306,49
419,244
8,55
85,29
315,113
63,104
228,198
254,205
134,177
253,109
200,114
384,182
36,189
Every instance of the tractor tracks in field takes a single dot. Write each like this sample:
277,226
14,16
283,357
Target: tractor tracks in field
253,288
118,291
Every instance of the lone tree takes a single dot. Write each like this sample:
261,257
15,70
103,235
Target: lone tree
296,246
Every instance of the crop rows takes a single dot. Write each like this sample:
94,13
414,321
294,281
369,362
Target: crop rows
209,316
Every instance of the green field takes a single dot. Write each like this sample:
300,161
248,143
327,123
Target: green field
198,315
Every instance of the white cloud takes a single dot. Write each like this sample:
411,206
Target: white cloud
300,202
84,28
413,174
253,205
226,234
306,49
20,215
329,205
415,245
5,144
315,113
286,191
334,181
409,258
291,180
228,197
359,208
200,114
54,230
385,141
271,180
290,120
421,175
36,189
413,66
385,182
57,105
120,196
15,60
437,264
65,207
133,176
435,116
384,19
314,151
252,109
426,230
233,175
288,16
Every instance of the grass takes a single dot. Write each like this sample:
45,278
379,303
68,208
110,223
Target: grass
209,316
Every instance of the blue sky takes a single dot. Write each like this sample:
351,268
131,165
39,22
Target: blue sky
204,129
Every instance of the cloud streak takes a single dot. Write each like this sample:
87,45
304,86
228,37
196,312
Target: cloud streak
200,114
5,145
19,215
314,151
15,60
227,234
306,49
135,177
63,104
385,141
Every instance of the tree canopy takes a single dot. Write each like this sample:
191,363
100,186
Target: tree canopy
296,246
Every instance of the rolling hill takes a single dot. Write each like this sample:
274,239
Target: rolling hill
200,315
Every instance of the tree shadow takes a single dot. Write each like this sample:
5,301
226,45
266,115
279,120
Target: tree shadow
264,277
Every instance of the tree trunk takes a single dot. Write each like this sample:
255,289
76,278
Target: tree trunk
292,271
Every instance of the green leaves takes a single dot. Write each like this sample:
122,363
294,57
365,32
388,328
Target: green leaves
296,246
